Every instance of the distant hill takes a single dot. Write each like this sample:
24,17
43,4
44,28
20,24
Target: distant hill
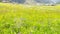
35,1
18,1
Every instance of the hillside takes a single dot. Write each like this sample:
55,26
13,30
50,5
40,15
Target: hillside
26,19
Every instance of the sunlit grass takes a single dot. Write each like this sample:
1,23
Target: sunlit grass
27,19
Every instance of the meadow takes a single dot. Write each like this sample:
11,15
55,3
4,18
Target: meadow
27,19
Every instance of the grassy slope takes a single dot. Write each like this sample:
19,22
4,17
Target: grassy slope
23,19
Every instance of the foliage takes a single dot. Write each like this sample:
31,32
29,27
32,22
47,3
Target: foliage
0,0
24,19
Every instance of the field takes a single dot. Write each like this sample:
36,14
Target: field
26,19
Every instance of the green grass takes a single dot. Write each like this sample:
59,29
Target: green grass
25,19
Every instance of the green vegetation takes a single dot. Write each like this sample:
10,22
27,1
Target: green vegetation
23,19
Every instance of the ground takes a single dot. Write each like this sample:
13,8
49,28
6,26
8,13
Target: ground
27,19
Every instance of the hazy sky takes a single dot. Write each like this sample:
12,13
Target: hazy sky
49,1
57,1
42,1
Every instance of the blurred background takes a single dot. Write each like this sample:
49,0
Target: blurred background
36,2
